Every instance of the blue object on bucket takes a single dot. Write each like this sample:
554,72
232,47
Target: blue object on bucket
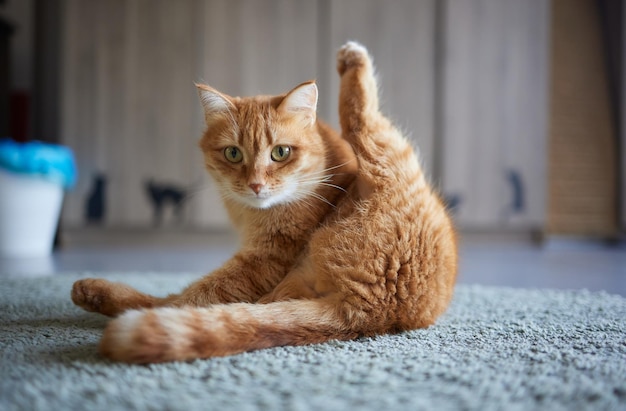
49,161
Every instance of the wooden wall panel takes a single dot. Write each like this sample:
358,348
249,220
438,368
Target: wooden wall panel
79,94
400,36
129,100
130,108
583,153
494,110
109,145
258,47
161,64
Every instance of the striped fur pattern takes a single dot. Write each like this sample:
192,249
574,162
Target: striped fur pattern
342,238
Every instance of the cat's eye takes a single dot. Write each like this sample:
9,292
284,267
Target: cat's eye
281,153
233,154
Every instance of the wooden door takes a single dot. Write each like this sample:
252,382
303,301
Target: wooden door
493,111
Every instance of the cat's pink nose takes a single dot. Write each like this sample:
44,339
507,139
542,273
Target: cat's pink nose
256,187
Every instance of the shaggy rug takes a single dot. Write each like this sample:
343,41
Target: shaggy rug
495,349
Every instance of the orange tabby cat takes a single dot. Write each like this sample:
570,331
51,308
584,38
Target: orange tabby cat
330,250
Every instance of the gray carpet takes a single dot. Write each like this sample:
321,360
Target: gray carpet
495,349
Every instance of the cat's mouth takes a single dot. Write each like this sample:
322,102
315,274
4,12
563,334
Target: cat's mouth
265,198
269,197
262,200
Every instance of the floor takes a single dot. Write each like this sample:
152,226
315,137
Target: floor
558,263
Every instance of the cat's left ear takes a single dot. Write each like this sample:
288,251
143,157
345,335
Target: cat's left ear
301,101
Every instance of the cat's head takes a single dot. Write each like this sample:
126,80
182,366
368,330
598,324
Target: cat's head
263,150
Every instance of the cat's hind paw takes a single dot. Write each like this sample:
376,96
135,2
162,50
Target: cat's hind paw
151,336
352,54
134,337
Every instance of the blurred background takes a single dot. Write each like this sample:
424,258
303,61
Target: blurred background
516,107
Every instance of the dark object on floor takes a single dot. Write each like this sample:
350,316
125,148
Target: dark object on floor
515,180
453,202
95,206
160,194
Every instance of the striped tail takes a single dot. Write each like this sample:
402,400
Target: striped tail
179,334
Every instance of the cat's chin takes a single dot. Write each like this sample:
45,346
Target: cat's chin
261,203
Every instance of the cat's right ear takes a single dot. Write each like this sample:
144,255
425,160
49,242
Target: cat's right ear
215,104
301,101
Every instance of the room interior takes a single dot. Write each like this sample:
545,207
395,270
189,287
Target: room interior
517,110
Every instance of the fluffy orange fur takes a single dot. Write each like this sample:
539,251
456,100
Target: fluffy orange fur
335,245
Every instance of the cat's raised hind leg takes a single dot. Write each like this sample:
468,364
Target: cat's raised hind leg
358,95
381,149
359,91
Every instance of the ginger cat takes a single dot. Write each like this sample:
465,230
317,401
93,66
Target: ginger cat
335,246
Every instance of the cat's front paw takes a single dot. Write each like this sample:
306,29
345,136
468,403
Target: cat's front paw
95,295
351,54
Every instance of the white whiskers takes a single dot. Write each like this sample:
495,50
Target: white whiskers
307,186
306,189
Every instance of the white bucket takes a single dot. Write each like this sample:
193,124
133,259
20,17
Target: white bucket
29,214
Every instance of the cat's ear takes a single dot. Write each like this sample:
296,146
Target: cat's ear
215,104
301,101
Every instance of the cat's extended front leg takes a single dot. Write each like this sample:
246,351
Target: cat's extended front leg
244,278
109,298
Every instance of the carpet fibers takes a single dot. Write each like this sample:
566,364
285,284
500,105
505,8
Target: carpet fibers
495,349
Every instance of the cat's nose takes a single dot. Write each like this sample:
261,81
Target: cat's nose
256,187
